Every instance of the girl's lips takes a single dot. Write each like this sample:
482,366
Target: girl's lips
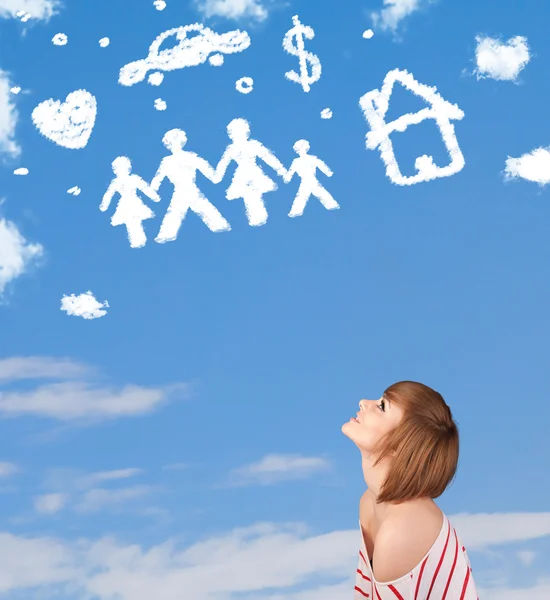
354,419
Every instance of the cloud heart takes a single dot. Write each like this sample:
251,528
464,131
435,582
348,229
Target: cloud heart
68,123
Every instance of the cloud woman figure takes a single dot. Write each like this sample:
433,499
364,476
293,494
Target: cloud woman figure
249,181
180,168
130,210
305,166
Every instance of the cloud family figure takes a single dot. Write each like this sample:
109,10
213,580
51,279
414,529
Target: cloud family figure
130,211
249,183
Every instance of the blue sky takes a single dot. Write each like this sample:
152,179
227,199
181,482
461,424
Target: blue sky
188,442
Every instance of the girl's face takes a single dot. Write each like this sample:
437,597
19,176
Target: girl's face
238,130
374,419
122,166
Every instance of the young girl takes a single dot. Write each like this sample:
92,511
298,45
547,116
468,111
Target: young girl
409,448
130,210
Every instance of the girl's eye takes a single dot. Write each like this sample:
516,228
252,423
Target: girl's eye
381,406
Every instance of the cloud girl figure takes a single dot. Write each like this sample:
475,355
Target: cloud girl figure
249,181
130,211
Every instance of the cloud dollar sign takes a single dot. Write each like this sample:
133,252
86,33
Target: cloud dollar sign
300,31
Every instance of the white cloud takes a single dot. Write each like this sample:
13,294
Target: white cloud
40,367
275,468
101,476
77,491
50,503
73,400
526,557
395,11
98,498
7,469
489,529
78,400
176,467
48,562
533,166
263,560
501,60
38,9
70,480
233,9
84,305
541,591
8,117
16,253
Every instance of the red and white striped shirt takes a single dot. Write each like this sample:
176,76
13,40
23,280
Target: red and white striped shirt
443,574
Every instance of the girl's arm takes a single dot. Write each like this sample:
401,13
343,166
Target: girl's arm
223,164
270,159
147,189
108,196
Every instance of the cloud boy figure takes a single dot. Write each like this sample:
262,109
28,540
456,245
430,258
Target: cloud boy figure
130,210
305,166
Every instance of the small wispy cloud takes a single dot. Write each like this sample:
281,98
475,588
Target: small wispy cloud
275,468
72,481
176,467
17,255
7,469
395,11
69,401
526,557
97,499
102,476
41,10
486,529
40,367
8,117
75,400
49,504
501,60
233,9
81,493
533,166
